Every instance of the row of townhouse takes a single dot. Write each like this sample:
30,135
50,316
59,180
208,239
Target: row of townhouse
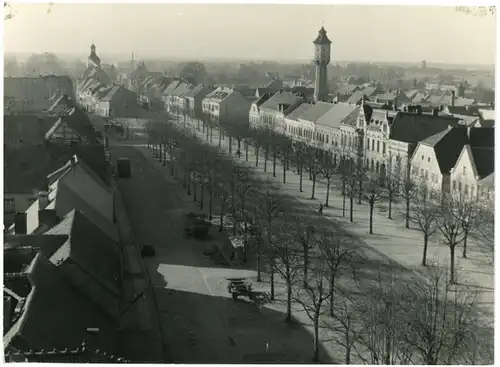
385,140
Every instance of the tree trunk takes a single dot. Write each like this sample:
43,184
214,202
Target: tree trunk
274,163
239,143
230,144
284,171
194,191
327,191
288,298
360,195
210,198
347,348
221,223
452,263
265,158
407,216
259,279
332,293
220,137
188,183
343,204
372,204
246,151
389,215
316,336
306,264
211,134
301,178
466,236
256,156
272,279
424,255
202,195
351,200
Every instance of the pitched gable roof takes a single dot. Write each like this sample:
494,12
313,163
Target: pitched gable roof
284,98
484,160
316,111
29,128
55,315
447,146
356,97
340,113
412,128
90,248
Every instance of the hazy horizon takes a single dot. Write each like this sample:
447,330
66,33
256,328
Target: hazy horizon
364,33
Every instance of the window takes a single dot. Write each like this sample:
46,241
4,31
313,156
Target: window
421,172
9,205
383,148
373,145
426,174
422,157
464,170
466,190
378,146
459,186
472,191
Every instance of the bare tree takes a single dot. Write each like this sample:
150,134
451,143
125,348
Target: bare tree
470,212
441,320
243,187
287,263
328,171
380,309
336,258
304,235
373,193
224,195
270,207
351,186
312,299
486,231
344,324
425,214
392,184
314,171
449,223
408,189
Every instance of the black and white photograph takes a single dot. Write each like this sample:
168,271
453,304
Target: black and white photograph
249,183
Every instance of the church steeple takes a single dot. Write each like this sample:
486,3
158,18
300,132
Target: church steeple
93,60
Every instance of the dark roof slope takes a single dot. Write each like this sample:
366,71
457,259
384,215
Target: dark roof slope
286,98
413,128
482,137
29,128
322,39
89,247
484,159
56,316
447,146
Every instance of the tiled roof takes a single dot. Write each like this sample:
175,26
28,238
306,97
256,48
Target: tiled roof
57,316
339,114
316,111
460,102
26,167
219,94
181,89
64,100
356,97
487,114
29,128
411,93
299,111
37,88
346,88
77,119
488,181
171,87
193,92
413,128
286,98
418,97
448,145
369,91
463,110
482,137
484,160
274,84
95,253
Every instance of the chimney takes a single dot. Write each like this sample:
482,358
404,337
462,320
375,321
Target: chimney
435,112
43,200
20,223
453,98
47,217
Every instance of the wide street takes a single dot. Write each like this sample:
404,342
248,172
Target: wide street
200,323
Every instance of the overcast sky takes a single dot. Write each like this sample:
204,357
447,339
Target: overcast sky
252,31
